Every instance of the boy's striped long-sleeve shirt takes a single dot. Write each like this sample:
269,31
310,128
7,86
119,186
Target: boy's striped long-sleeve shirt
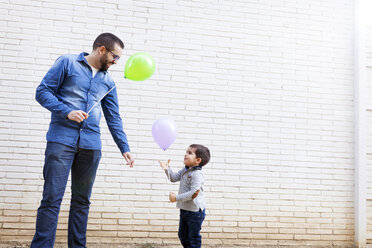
190,195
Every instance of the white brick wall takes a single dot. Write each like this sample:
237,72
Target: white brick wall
369,128
266,85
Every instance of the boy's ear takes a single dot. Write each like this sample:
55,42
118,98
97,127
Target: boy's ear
198,160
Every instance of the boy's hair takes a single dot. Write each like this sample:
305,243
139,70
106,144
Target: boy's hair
201,152
108,40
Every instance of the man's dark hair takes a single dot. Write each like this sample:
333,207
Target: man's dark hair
201,152
108,40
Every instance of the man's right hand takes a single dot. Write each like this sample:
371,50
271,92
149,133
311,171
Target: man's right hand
77,115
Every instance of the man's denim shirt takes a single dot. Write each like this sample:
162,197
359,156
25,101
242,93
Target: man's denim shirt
68,86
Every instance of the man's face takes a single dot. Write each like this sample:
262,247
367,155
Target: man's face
110,57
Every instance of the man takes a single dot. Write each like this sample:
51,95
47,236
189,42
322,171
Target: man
74,91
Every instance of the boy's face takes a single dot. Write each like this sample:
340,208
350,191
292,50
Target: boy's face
190,158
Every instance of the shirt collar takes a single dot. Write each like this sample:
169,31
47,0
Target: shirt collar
82,58
194,168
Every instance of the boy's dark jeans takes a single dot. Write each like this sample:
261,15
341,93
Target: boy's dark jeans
189,229
59,160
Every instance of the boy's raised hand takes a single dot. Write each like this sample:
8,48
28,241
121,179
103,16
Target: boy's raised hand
164,165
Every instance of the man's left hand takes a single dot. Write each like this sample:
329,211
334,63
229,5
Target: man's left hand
128,157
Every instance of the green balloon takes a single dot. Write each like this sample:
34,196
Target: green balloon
140,66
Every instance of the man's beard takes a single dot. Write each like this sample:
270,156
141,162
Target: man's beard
104,63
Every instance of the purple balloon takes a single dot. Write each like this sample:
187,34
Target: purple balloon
164,132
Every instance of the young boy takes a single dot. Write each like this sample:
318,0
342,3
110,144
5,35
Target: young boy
190,198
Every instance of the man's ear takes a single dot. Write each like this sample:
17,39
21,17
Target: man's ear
101,50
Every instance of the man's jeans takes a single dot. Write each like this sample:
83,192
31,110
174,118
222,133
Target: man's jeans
189,229
59,160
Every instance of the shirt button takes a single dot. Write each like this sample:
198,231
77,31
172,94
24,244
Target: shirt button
81,130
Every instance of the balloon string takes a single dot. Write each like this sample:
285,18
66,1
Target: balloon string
100,99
